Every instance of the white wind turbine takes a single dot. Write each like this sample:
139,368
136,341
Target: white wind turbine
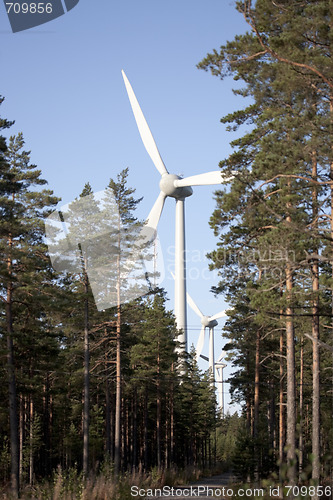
174,186
219,367
207,322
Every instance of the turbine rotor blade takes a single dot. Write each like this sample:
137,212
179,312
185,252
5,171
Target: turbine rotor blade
203,179
221,314
146,135
193,306
200,342
222,355
156,211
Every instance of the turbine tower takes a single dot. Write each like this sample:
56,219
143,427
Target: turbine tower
207,322
219,367
178,188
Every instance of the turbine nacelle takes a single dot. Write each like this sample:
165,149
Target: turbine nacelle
207,322
168,187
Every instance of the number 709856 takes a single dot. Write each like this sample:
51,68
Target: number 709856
29,8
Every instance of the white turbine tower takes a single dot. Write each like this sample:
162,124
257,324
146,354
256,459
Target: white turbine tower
219,367
207,322
174,186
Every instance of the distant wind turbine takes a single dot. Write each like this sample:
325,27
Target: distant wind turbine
219,367
207,322
175,187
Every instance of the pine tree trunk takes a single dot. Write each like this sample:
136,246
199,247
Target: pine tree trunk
117,437
145,425
331,217
86,379
21,435
248,396
107,413
256,387
256,406
158,415
315,348
291,384
31,441
135,431
13,418
272,429
281,408
300,446
172,435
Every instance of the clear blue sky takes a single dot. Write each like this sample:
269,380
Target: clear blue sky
63,86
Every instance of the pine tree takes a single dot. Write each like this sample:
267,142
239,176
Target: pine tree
283,63
126,204
24,263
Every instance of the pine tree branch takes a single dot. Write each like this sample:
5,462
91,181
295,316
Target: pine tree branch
248,58
320,342
294,176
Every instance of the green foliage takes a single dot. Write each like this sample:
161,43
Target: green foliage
274,220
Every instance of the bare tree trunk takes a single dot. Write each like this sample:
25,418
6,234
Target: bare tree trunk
256,386
145,439
107,412
172,436
315,347
256,405
166,447
31,441
272,428
13,418
135,431
158,414
331,223
248,397
117,438
281,408
21,434
291,384
86,378
300,445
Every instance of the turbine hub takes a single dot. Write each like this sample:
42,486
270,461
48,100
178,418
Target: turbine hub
168,188
208,323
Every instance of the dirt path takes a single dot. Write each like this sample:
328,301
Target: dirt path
204,489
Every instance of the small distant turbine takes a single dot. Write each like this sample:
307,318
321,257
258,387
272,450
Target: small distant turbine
207,322
219,367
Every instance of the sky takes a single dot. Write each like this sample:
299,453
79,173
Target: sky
63,87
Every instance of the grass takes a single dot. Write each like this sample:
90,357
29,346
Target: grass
72,485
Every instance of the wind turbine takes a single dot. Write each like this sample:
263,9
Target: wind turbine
219,367
178,188
207,322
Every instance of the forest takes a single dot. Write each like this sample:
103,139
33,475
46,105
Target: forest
88,393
